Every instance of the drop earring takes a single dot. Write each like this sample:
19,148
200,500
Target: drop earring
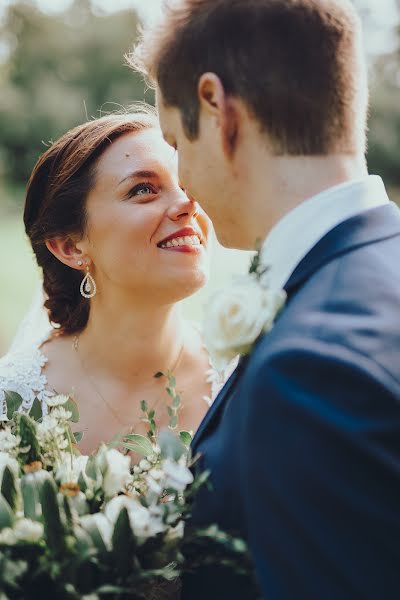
88,287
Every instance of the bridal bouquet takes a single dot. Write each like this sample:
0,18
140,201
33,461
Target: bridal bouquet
98,526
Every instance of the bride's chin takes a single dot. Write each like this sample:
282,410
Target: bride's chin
187,286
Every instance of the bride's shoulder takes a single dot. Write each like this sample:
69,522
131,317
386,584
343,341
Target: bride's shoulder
21,371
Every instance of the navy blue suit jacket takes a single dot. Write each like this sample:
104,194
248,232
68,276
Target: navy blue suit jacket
303,443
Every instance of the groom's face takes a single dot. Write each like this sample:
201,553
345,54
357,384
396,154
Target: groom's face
202,168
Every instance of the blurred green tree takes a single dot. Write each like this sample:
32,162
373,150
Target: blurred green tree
384,136
61,69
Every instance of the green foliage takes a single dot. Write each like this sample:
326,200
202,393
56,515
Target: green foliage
62,69
170,446
26,428
36,412
6,514
53,526
138,443
124,544
9,488
13,401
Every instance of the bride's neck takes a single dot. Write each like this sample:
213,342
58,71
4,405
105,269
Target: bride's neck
132,342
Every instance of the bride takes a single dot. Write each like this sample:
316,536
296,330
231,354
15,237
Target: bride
120,244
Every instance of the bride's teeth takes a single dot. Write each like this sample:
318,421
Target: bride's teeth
169,244
195,240
175,243
188,240
181,241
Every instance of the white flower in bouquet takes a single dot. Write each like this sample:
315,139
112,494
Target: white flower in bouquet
144,524
60,413
28,531
117,472
24,530
8,441
8,461
103,524
58,400
177,476
70,467
236,317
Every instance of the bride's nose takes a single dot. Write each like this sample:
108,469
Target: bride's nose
183,206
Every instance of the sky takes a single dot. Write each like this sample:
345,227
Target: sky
383,17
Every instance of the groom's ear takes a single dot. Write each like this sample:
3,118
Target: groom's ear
215,103
66,251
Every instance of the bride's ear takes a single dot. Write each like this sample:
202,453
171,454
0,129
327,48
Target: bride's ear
222,108
67,251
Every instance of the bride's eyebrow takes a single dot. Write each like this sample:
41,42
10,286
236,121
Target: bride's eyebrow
140,175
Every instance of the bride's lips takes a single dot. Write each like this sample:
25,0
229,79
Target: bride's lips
176,241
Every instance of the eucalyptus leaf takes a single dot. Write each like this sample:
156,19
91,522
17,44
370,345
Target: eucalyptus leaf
176,402
9,488
91,468
159,374
170,445
78,436
143,406
14,401
124,544
173,422
6,514
72,407
140,444
170,392
172,381
36,411
30,496
26,428
185,438
53,527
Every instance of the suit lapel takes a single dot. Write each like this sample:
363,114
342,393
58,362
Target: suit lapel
373,225
218,404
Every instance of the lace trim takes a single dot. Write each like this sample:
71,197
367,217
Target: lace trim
21,372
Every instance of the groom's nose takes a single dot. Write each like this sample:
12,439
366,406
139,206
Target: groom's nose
183,206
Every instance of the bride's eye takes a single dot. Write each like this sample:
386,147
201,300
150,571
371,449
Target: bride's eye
142,189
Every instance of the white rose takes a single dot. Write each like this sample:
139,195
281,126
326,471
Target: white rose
176,476
236,316
142,522
27,530
117,472
7,461
103,525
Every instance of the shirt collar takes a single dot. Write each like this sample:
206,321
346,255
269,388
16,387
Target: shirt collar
298,231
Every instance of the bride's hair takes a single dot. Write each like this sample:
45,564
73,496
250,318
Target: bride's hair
55,205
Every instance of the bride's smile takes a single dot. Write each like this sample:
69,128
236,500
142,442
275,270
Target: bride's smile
120,244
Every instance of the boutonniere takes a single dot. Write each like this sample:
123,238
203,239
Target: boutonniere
236,316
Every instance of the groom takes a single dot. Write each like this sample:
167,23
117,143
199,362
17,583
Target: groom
266,103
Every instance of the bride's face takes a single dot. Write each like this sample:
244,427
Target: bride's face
143,233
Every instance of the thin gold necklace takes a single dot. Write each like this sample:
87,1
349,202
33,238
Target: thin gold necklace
75,345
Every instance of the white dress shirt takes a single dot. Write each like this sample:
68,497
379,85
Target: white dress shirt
299,231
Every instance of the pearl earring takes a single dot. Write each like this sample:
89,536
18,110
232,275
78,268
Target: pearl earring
88,287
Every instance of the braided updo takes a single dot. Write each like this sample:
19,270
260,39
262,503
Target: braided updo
55,207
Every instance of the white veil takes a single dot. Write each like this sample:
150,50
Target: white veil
35,327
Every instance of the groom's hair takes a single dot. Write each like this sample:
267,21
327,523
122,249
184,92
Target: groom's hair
298,65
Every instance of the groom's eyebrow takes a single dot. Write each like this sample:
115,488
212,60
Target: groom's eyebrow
139,175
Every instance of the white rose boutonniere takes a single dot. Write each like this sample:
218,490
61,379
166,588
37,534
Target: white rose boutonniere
238,315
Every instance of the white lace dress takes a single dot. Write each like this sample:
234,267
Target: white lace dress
22,371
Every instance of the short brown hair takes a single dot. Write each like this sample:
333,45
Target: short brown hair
55,206
297,65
